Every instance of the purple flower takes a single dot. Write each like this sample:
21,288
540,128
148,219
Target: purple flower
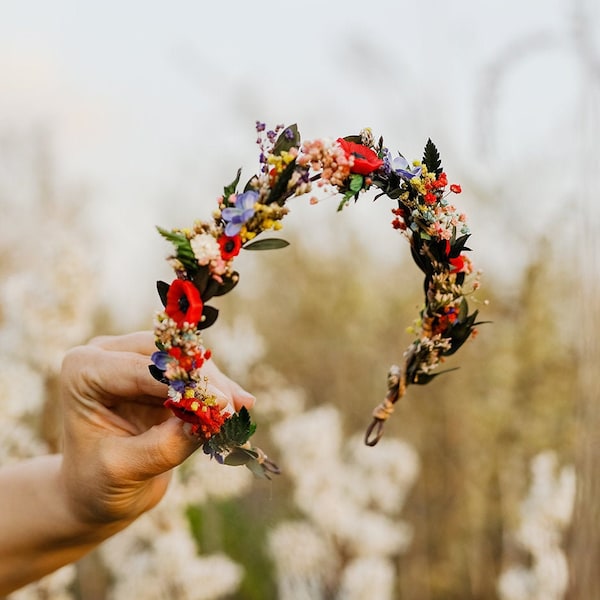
403,168
236,216
178,385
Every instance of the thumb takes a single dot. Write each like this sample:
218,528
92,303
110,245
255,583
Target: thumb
159,449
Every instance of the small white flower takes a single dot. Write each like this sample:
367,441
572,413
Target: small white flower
206,248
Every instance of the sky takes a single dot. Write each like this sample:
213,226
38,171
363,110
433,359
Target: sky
151,105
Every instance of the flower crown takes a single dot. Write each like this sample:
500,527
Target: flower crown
203,264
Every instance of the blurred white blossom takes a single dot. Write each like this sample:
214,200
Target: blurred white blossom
545,514
54,586
49,306
305,561
239,346
156,558
351,496
366,578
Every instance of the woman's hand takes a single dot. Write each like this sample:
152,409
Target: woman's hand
120,445
120,442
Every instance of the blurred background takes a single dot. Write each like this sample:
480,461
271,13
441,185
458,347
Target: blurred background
116,117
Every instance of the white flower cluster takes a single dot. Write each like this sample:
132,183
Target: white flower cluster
46,286
545,514
156,558
54,587
48,305
21,402
351,496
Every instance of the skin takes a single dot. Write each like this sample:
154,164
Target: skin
119,448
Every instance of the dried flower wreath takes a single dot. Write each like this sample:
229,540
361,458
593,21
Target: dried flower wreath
203,265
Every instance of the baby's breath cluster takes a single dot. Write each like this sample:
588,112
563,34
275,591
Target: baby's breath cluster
204,254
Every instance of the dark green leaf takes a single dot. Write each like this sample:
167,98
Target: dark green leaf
209,316
458,246
463,310
425,378
157,373
228,284
251,184
288,138
279,191
211,289
163,289
431,158
236,431
267,244
200,279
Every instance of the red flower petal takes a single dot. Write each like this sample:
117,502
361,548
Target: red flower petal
458,263
206,419
365,160
184,303
230,246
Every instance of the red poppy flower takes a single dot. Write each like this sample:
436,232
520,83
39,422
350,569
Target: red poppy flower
458,263
365,160
455,188
230,246
206,419
183,302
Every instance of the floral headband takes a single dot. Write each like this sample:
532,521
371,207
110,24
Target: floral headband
203,264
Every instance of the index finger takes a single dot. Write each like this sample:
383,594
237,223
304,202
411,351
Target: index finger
139,341
111,376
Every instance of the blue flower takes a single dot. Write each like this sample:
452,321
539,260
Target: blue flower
236,216
403,169
161,360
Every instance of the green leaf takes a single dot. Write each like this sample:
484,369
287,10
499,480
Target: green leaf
257,469
183,247
240,456
356,182
230,189
236,431
288,138
267,244
431,158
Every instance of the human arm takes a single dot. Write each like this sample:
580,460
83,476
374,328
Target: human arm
120,445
